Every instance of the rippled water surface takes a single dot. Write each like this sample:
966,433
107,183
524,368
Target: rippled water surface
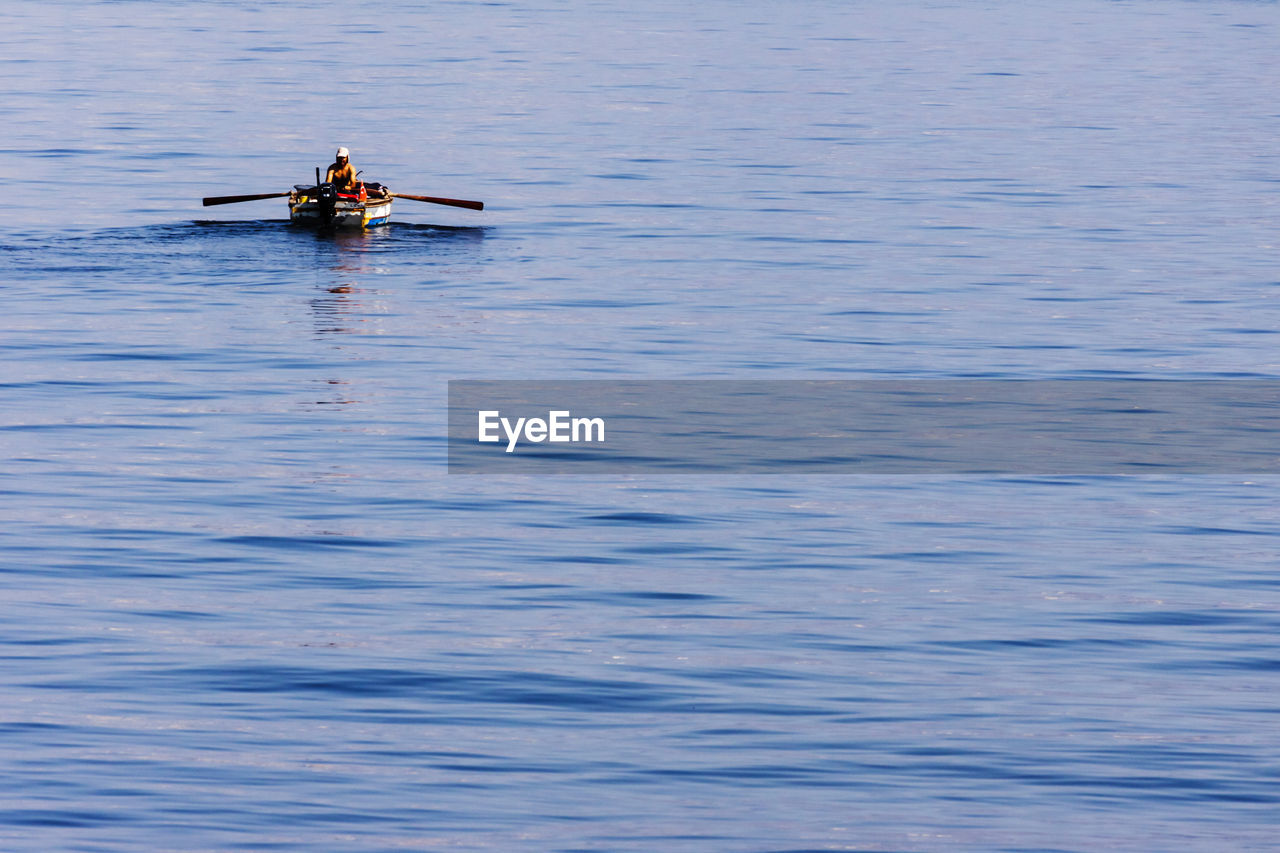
243,605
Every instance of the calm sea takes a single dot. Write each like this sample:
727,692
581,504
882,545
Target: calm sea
243,606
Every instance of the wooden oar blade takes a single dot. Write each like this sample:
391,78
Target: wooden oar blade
452,202
232,199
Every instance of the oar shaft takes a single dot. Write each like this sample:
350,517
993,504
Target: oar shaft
232,199
452,202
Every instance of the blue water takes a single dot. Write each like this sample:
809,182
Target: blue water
244,607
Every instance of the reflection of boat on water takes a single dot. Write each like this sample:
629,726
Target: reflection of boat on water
322,205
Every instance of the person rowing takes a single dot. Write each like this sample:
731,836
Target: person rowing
340,178
341,174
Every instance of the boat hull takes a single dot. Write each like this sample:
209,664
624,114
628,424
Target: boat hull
348,211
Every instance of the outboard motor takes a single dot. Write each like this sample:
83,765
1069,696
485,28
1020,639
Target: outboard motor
327,200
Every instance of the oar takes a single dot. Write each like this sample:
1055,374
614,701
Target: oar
232,199
452,202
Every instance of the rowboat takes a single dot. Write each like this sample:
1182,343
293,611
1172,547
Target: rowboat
322,205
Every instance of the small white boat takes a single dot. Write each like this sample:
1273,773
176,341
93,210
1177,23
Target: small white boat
322,205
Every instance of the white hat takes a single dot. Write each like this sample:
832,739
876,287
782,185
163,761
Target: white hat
342,152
